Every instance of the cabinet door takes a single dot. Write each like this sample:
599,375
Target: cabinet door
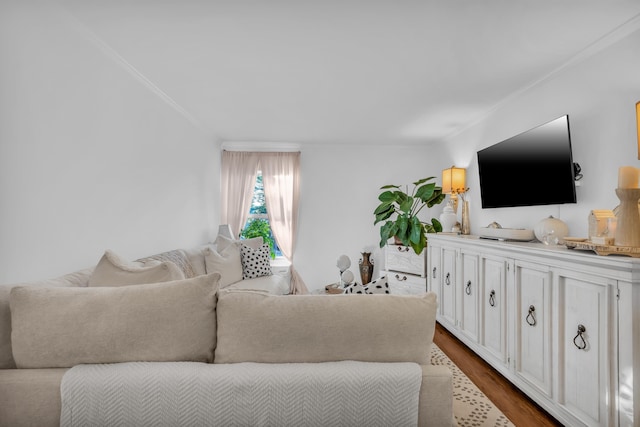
469,290
493,307
585,344
448,289
533,323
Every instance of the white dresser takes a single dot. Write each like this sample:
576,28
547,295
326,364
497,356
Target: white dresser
405,271
561,324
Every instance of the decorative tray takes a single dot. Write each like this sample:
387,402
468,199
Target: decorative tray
599,249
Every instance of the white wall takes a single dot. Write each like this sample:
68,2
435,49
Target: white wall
599,95
340,188
90,158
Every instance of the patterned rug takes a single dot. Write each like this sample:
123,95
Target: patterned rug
470,406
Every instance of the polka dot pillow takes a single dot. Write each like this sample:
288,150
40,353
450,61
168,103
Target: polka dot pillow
255,262
378,286
355,288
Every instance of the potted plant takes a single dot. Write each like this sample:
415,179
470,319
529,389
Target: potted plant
400,211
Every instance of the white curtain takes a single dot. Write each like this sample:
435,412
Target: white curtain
239,171
281,179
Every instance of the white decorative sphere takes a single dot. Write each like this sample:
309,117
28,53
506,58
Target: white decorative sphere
347,276
551,231
343,262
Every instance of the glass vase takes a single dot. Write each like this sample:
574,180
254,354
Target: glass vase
466,226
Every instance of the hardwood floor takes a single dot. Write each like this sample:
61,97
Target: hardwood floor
514,404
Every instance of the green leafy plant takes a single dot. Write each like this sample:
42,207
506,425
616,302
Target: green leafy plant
399,209
259,227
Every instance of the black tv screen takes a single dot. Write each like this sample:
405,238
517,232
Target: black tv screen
529,169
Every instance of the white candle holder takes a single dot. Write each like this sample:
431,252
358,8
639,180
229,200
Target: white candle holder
628,224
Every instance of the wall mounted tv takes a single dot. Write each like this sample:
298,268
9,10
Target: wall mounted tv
533,168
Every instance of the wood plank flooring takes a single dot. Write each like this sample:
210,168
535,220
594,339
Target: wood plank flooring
514,404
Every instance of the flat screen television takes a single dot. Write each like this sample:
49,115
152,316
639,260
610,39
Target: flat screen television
533,168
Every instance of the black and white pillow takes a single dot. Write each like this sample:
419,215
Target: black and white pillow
255,262
378,286
354,288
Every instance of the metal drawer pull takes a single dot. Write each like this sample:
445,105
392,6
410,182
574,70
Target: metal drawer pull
581,330
447,279
533,321
492,298
401,279
403,248
433,273
467,289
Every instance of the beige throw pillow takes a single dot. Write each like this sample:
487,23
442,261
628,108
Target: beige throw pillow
113,270
77,278
256,327
226,262
160,322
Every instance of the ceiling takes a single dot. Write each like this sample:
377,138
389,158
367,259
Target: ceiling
345,71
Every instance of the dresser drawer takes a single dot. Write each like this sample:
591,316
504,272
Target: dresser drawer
404,259
402,283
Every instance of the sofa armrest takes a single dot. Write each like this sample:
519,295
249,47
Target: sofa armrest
436,397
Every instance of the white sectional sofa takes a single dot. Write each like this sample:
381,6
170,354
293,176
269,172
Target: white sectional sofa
188,352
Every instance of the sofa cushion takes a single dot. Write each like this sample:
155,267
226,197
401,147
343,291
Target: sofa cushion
63,327
226,262
274,284
30,397
77,278
113,270
255,327
255,262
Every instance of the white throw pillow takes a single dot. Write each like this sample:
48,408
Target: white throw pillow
255,262
227,263
156,322
113,270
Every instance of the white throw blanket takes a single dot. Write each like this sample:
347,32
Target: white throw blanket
245,394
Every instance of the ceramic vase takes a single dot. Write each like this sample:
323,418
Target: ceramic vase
366,268
628,227
448,218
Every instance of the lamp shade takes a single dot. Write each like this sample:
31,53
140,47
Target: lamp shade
453,180
225,230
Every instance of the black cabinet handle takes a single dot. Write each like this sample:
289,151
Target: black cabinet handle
531,318
467,289
447,279
403,248
492,298
401,279
433,273
582,344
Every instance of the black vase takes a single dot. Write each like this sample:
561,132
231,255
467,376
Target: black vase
366,268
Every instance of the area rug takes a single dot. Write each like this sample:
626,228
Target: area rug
470,406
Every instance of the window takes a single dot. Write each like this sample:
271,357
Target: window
258,222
